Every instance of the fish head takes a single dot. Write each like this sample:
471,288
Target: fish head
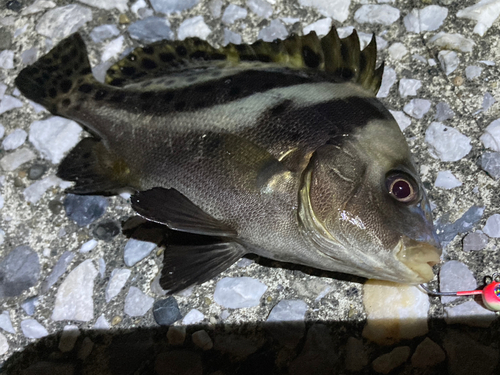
363,206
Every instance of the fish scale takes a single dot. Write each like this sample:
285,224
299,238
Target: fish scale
279,149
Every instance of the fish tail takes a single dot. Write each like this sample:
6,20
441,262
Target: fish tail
54,77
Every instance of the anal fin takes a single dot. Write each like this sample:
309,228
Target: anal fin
185,265
177,212
94,169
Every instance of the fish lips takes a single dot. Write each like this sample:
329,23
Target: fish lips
419,257
420,249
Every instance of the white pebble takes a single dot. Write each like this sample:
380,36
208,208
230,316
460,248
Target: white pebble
54,137
7,59
397,51
112,49
14,139
288,310
121,5
36,190
215,7
192,317
3,88
17,158
446,143
487,62
377,14
233,13
446,180
102,267
6,323
492,227
231,37
8,103
102,32
388,79
260,7
74,298
456,42
239,292
409,87
337,9
473,71
88,246
491,136
193,27
136,250
429,18
390,315
38,6
453,276
117,281
32,329
275,30
488,101
417,108
4,344
449,61
402,120
321,27
60,22
101,323
485,12
137,303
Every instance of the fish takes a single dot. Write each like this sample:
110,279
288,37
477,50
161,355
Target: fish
279,149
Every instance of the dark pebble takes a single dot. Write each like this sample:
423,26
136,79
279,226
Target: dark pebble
55,206
84,209
166,311
36,171
19,270
14,5
106,230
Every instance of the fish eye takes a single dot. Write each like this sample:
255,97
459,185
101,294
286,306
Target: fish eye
402,187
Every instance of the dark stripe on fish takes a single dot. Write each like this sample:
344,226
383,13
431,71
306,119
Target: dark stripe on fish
327,122
208,94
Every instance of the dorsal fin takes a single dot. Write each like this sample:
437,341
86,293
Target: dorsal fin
340,59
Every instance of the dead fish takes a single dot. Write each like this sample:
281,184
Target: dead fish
279,149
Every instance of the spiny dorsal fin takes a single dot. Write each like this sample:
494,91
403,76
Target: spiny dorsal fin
340,59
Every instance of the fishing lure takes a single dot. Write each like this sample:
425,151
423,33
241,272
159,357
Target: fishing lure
490,293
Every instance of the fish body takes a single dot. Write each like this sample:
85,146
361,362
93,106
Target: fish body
279,149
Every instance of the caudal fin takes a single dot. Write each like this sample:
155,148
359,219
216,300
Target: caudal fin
51,80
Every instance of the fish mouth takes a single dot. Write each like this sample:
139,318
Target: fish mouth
419,257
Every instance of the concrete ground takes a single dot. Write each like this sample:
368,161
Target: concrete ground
329,335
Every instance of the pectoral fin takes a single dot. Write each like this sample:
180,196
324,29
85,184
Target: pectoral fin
169,207
185,265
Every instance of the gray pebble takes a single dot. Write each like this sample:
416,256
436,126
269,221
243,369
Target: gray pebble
490,163
84,209
166,311
19,271
36,171
475,241
60,267
447,231
151,29
106,230
5,39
